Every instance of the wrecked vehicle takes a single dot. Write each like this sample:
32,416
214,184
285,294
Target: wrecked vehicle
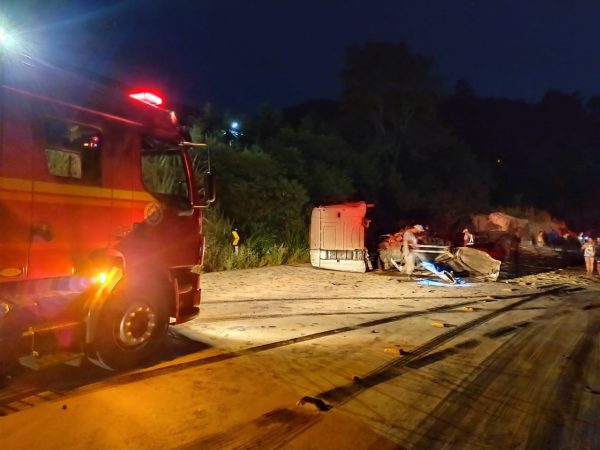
337,242
479,265
507,232
337,237
440,261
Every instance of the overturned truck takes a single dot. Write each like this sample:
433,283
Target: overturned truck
337,242
337,237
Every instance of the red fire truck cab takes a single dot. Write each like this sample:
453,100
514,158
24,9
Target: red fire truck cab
100,218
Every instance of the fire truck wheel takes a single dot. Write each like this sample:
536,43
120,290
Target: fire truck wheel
132,328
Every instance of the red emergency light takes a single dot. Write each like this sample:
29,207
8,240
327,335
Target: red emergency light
147,97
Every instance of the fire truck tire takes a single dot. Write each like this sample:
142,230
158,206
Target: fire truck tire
132,328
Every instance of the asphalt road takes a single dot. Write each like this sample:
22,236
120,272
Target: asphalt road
296,357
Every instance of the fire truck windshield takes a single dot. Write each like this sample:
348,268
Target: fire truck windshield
164,175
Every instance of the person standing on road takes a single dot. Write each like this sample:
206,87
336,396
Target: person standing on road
368,243
409,244
540,239
597,252
537,241
588,255
468,238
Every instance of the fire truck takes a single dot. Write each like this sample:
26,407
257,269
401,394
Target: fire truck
101,204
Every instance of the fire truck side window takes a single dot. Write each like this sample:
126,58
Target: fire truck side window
73,150
164,173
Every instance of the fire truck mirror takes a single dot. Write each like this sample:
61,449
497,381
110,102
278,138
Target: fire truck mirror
209,187
207,193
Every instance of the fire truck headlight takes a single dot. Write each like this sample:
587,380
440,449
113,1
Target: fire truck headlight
99,278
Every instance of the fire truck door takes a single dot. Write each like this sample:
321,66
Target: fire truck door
72,197
121,160
15,188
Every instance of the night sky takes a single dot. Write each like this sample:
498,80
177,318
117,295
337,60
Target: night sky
240,54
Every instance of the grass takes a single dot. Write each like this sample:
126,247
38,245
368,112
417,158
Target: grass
226,258
256,252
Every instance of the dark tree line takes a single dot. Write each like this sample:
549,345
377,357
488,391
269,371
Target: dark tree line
544,155
395,138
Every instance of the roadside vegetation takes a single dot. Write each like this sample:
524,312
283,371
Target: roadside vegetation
256,251
396,138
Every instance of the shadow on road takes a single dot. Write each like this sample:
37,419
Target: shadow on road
528,261
19,382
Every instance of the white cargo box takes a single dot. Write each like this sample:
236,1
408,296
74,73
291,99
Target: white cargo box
337,237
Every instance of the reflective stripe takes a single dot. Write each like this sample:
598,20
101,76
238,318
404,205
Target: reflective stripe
66,193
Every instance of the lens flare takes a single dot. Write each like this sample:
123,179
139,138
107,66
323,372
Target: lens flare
100,278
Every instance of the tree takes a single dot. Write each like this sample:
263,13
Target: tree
387,89
410,162
321,163
265,124
255,195
208,125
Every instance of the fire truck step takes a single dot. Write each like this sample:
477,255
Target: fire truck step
186,314
36,363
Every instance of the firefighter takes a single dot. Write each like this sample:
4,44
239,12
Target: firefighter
389,247
409,244
468,238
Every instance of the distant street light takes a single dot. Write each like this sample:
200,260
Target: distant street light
234,130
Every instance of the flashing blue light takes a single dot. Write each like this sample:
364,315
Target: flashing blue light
446,276
235,125
458,284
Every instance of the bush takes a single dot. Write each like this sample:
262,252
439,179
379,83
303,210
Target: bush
257,251
275,255
298,255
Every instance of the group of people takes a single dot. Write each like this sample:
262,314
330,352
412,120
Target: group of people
405,241
590,248
591,254
409,241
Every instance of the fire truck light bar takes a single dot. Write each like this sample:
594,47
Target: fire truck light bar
147,97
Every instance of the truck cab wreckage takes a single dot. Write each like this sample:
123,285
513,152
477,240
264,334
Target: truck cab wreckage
337,242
